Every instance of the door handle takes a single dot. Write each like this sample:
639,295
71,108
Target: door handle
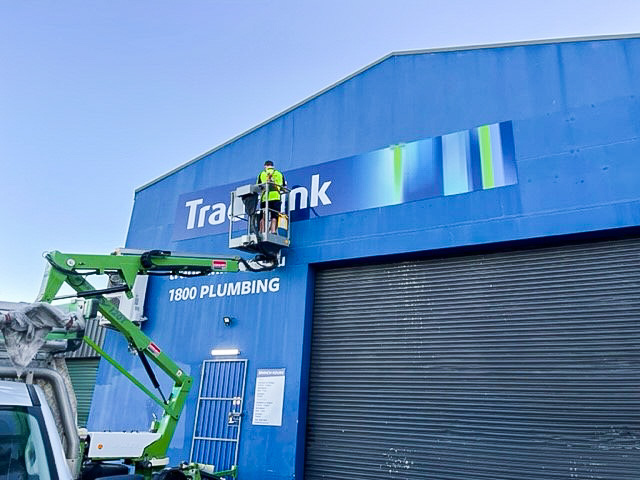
234,418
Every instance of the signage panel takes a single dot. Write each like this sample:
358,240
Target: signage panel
460,162
269,397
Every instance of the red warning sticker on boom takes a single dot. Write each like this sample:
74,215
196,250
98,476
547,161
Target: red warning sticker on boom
154,349
219,264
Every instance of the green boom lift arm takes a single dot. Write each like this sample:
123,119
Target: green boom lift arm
124,266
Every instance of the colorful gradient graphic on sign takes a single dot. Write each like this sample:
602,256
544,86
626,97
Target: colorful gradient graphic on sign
460,162
477,159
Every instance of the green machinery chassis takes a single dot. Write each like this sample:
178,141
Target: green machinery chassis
123,267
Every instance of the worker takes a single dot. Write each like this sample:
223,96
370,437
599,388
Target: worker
273,180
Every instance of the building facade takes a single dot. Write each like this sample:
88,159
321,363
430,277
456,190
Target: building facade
461,296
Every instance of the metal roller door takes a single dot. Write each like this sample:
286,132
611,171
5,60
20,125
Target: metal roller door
512,365
83,372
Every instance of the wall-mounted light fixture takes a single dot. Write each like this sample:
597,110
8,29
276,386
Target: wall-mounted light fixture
219,352
227,321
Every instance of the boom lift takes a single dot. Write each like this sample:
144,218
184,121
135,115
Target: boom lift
146,452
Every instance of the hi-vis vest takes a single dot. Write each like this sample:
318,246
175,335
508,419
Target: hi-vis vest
276,178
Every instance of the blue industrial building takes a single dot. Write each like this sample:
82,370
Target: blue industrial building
462,295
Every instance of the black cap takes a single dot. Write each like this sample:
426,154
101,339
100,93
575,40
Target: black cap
268,163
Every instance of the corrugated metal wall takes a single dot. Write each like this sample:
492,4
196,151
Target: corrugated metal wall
83,373
96,333
83,369
514,365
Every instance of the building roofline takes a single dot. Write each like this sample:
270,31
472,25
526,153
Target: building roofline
373,64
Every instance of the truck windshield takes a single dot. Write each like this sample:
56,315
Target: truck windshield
24,450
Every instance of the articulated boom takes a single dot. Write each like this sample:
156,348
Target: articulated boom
123,267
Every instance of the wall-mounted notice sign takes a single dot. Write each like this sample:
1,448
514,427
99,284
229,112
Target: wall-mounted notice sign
268,401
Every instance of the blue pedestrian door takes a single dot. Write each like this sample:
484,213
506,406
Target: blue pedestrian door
216,433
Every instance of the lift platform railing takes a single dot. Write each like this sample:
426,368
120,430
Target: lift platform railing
250,221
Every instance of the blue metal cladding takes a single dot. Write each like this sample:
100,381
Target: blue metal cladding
573,109
264,329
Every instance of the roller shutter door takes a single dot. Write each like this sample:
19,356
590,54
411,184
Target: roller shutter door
512,365
83,372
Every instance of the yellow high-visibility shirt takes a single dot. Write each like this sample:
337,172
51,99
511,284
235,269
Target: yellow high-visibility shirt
276,181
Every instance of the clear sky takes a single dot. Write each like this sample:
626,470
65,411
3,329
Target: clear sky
100,97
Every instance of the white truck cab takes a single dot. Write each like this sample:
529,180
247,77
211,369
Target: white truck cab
30,447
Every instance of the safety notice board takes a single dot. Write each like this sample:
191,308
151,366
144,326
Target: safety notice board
269,397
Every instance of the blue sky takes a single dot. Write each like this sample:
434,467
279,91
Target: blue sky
98,98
